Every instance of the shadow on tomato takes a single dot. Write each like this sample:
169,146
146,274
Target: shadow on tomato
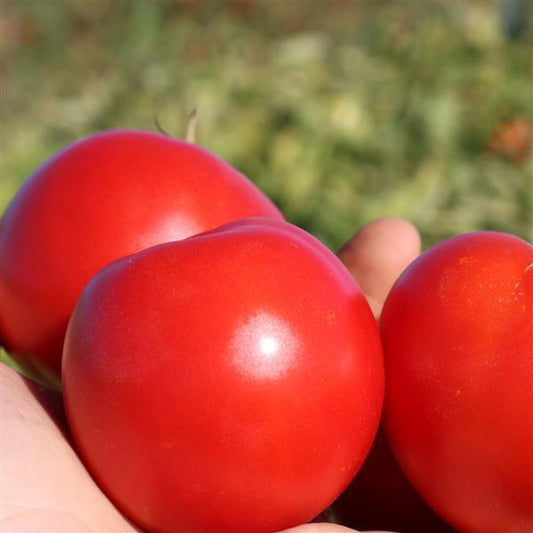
381,497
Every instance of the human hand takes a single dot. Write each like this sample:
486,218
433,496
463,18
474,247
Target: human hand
45,487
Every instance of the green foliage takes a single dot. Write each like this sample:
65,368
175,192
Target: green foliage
341,111
5,358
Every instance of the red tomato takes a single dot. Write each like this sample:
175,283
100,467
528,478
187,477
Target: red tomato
457,333
229,382
106,196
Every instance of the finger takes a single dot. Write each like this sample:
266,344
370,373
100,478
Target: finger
44,485
324,528
378,253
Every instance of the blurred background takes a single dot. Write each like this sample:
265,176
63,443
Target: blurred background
342,111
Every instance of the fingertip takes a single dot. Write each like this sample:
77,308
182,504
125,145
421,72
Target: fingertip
325,528
378,253
400,236
319,527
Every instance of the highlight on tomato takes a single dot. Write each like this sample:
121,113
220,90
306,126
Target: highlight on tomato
103,197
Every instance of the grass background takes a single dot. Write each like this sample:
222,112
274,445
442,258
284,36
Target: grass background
341,111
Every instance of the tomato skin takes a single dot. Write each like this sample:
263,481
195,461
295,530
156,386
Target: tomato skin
101,198
457,335
229,382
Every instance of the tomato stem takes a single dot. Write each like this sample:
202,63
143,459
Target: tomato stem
158,125
191,126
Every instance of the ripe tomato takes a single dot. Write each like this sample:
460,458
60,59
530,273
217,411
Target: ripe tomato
228,382
457,333
103,197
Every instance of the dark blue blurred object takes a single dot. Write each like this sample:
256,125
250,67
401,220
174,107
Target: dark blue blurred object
513,17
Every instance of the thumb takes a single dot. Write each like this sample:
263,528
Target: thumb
377,254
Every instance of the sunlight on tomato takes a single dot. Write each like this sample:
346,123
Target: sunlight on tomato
103,197
229,382
457,332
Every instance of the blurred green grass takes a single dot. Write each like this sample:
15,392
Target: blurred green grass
340,111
